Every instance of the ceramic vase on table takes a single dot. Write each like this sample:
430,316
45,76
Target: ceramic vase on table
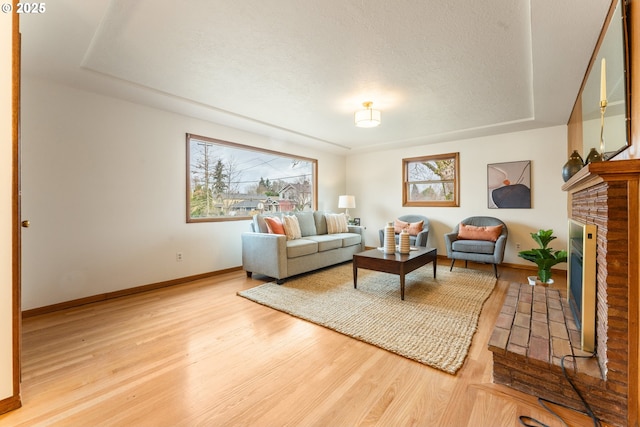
404,242
573,165
389,239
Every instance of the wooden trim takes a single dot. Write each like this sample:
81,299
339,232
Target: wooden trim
576,113
181,281
574,129
14,401
634,52
10,404
633,210
594,173
124,292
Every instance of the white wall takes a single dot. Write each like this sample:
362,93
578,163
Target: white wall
103,184
6,252
376,181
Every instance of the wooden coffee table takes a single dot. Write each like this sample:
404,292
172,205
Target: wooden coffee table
396,263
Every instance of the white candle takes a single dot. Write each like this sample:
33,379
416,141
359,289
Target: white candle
603,81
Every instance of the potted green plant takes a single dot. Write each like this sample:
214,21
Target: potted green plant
544,256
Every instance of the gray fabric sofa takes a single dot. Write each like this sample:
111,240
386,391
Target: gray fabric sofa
274,256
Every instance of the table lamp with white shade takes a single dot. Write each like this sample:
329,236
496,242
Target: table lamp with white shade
347,202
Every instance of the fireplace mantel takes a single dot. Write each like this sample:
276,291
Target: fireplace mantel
595,173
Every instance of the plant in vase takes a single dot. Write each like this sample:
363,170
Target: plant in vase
543,256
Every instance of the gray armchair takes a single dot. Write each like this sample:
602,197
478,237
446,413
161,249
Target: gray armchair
484,251
420,239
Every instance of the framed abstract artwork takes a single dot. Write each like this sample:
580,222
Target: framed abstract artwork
509,185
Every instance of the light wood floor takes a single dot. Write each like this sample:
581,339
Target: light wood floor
199,355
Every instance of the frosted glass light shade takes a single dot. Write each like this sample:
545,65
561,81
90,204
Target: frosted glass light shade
368,118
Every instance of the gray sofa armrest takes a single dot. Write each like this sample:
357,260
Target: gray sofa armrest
501,244
358,229
422,237
264,254
449,238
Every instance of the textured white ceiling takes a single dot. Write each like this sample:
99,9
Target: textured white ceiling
297,70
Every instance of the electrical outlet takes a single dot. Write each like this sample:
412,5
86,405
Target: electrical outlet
178,256
517,245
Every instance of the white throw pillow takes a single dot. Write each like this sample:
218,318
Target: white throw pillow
291,227
336,223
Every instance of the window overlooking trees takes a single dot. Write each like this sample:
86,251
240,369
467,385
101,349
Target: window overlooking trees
229,181
431,180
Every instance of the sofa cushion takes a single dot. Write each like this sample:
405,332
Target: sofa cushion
474,246
291,227
301,247
350,239
259,224
307,223
336,223
327,242
321,222
274,225
472,232
413,228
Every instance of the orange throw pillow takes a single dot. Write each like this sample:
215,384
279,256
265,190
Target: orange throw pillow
274,225
413,228
471,232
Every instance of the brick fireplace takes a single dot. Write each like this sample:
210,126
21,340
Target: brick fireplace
536,327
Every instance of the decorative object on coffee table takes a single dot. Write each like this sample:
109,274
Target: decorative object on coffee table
389,239
404,246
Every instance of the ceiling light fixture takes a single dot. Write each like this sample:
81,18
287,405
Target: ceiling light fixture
367,118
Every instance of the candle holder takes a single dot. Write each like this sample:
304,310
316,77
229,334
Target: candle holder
603,108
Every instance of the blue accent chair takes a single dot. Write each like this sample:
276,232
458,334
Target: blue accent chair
420,239
477,250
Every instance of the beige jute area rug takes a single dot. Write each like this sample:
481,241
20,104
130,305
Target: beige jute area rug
434,325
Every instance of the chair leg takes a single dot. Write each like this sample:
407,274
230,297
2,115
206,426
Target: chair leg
452,261
495,270
465,263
